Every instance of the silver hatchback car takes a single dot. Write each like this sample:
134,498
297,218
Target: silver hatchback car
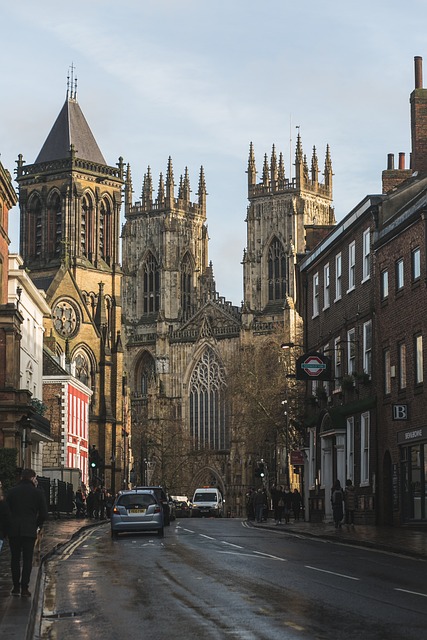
136,510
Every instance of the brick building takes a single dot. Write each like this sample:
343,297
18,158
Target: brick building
401,328
336,303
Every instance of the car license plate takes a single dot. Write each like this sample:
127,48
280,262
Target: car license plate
137,510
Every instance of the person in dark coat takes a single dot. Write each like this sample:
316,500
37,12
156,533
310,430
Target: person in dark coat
287,500
349,502
5,518
28,510
296,504
337,499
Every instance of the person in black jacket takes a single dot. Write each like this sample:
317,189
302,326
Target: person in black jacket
28,509
4,518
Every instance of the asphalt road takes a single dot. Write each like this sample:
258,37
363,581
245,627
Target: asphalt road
217,579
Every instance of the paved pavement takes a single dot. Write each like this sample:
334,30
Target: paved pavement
16,613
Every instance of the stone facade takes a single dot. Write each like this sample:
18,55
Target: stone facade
70,202
182,336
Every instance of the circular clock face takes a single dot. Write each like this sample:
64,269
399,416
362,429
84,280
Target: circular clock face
65,318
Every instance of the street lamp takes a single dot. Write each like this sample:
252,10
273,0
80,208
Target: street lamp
285,412
290,345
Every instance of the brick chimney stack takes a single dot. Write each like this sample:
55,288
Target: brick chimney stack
418,102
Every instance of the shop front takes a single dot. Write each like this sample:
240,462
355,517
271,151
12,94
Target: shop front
413,472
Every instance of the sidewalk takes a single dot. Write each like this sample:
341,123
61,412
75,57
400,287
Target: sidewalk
407,540
15,613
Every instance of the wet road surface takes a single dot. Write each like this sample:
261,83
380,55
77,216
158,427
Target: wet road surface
222,579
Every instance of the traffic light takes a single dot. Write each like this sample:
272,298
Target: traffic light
94,459
260,470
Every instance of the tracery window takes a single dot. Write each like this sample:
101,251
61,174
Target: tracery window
104,229
54,226
84,369
276,271
208,426
186,286
145,374
151,280
35,227
86,229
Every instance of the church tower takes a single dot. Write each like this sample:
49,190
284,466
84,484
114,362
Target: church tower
70,202
286,217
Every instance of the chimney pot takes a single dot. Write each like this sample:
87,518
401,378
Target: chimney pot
418,72
390,161
402,161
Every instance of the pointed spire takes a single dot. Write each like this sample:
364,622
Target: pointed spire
186,186
314,168
170,185
305,164
201,192
251,167
299,163
265,173
128,190
281,172
100,315
180,188
328,170
273,167
161,192
148,190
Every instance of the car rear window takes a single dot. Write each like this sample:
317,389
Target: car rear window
205,497
136,501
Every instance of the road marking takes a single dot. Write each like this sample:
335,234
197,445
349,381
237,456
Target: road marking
248,555
414,593
267,555
333,573
231,544
205,536
187,530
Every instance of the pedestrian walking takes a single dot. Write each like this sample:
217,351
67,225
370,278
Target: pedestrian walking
89,504
337,498
296,504
28,510
250,507
80,504
287,499
349,503
260,503
5,518
277,502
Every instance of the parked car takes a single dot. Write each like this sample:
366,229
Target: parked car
182,507
136,510
163,499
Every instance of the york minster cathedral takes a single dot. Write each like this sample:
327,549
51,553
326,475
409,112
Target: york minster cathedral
162,351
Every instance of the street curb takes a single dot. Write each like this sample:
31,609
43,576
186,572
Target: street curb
354,542
29,634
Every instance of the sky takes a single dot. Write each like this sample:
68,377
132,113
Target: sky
199,80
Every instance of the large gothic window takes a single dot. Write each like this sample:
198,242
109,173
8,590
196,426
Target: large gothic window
186,287
105,230
145,374
54,226
208,426
151,292
86,228
35,227
276,271
84,369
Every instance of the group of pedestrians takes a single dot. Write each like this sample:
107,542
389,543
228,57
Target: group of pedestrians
96,504
343,503
283,501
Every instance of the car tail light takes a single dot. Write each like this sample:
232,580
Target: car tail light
157,509
116,510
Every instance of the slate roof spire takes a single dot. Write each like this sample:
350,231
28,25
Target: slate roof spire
70,128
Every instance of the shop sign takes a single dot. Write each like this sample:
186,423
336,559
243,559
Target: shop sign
411,435
400,411
297,457
312,366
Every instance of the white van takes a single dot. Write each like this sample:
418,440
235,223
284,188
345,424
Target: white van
207,501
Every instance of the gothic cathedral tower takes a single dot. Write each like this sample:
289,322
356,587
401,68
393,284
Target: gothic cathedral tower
70,202
286,217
